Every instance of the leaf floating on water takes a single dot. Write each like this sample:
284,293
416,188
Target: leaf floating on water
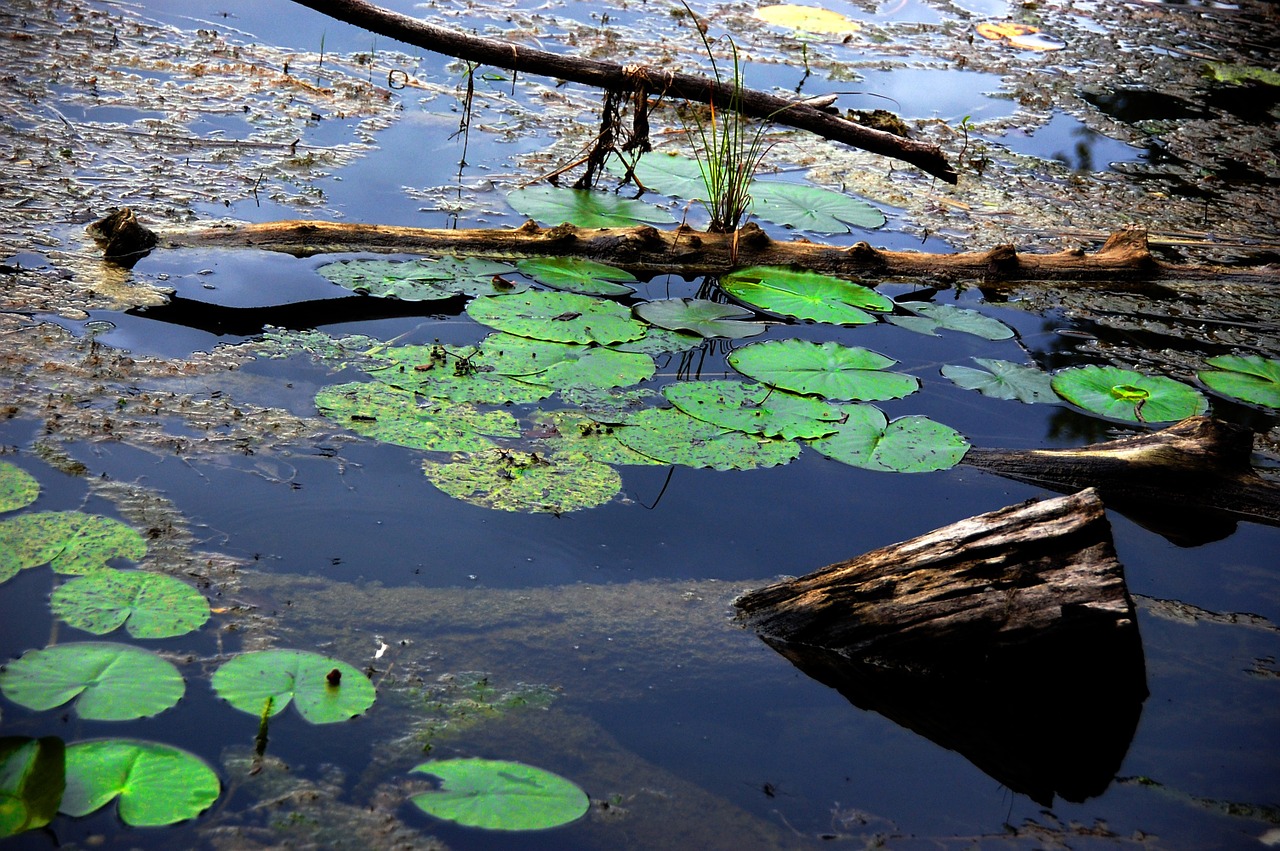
929,317
576,434
577,275
18,488
699,316
1253,379
422,280
754,408
829,370
109,682
912,444
1023,36
249,680
669,174
805,295
1239,75
511,480
149,605
1126,395
68,541
156,784
812,208
545,316
500,795
395,416
32,779
807,19
554,205
670,436
1001,379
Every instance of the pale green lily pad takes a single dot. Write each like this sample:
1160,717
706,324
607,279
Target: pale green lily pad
668,174
510,480
553,205
812,208
1126,395
279,343
829,370
1002,379
1252,379
578,275
455,373
395,416
149,605
113,682
670,436
930,317
805,295
907,445
32,778
609,404
423,280
754,408
1237,75
157,784
18,488
324,690
500,795
576,434
562,365
660,341
68,541
559,317
699,316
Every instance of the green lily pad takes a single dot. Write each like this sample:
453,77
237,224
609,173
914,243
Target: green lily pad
576,434
324,690
699,316
149,605
1238,75
577,275
754,408
930,317
455,373
157,784
510,480
562,365
812,208
1252,379
113,682
660,341
559,317
608,404
500,795
394,416
18,488
805,295
1002,379
67,541
829,370
907,445
1125,395
553,205
423,280
671,436
668,174
32,778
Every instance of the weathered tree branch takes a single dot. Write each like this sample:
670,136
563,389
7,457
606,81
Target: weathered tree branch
625,78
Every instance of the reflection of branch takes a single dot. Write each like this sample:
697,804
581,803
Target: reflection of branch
613,77
299,316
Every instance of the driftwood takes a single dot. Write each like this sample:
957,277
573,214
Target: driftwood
1190,482
1009,637
639,79
1125,261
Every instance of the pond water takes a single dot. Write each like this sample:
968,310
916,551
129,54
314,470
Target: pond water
597,643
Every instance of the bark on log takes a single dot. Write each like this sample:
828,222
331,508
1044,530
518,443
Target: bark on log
1124,262
628,78
1190,482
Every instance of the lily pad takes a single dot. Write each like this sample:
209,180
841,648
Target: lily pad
1126,395
559,317
754,408
149,605
809,19
32,778
553,205
510,480
699,316
157,784
395,416
671,436
829,370
562,365
907,445
455,373
500,795
324,690
113,682
670,174
812,208
805,295
1252,379
578,275
18,488
423,280
930,317
68,541
660,341
1002,379
576,434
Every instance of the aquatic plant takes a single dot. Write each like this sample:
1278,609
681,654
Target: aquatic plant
802,294
913,444
1001,379
1123,394
323,689
829,370
1253,378
107,681
700,316
500,795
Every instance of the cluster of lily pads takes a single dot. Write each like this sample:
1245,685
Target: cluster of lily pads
156,783
574,339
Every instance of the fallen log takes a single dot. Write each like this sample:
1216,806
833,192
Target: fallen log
1124,262
1009,637
638,78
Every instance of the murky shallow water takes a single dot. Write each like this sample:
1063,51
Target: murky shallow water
692,731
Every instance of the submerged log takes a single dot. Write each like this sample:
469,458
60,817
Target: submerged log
1124,262
1009,637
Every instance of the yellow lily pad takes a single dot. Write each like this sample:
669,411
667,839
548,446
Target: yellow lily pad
807,18
1023,36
